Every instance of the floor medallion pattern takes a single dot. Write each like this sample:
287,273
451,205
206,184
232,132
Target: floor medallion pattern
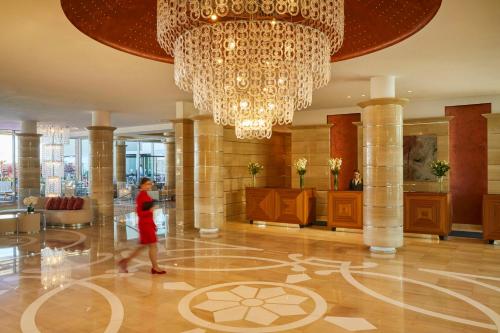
255,284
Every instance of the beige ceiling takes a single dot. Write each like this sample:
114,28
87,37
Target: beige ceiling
49,71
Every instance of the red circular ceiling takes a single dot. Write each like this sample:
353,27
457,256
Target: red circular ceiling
130,25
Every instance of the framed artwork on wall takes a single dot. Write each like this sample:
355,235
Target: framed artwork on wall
418,153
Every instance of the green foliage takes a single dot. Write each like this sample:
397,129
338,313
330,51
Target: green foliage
440,168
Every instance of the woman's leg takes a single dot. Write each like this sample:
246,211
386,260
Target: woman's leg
124,262
153,256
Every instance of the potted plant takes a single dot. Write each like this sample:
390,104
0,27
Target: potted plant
254,168
301,165
440,169
29,222
335,164
29,202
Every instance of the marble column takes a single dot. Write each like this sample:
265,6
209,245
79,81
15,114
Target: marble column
184,162
169,143
28,165
120,161
208,177
382,119
101,167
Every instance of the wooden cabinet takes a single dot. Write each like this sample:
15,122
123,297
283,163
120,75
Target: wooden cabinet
427,213
345,209
281,205
491,217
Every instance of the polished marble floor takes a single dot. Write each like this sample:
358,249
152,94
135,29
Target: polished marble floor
248,279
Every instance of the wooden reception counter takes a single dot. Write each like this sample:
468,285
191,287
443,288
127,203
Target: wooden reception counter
427,213
424,212
491,217
285,205
345,209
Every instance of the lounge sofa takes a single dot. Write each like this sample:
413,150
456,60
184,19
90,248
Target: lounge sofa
68,218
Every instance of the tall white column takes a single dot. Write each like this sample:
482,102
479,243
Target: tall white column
382,119
101,166
169,143
28,153
208,174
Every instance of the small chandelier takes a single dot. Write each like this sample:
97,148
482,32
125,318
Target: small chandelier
251,63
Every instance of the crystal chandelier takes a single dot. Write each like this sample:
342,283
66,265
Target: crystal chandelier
251,63
54,138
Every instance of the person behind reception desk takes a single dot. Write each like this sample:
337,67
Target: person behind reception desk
356,183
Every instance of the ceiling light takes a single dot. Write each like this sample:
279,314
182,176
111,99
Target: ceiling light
410,91
285,59
213,17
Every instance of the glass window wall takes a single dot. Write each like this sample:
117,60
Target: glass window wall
7,166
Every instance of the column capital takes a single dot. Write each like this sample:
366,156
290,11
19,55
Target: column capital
491,115
310,126
97,128
384,101
33,135
181,121
201,117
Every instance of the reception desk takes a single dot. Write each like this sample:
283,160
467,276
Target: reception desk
427,213
285,205
491,217
345,209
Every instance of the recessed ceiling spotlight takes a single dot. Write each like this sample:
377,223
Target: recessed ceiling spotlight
410,91
363,95
214,17
348,96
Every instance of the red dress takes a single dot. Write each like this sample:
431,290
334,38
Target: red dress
147,227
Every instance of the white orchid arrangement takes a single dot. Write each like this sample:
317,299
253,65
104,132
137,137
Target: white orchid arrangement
254,168
335,164
301,166
30,202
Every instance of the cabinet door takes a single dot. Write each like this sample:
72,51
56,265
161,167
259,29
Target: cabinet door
491,217
260,204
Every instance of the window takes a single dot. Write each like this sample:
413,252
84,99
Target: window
7,166
70,160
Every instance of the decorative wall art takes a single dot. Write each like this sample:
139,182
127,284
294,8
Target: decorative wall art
418,154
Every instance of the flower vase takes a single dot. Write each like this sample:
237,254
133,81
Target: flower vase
253,179
335,181
440,180
301,179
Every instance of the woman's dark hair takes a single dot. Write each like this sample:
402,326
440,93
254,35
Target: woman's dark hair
144,181
357,170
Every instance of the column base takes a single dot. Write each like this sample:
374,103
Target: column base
212,232
382,249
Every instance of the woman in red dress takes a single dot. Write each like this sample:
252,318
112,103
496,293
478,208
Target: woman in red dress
147,229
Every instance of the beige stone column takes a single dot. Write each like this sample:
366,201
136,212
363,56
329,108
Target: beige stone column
383,173
493,152
28,165
169,143
101,172
120,161
382,120
208,177
184,162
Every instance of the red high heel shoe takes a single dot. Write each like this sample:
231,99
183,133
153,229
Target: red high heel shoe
154,271
122,265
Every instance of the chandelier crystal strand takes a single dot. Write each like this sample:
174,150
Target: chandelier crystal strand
258,64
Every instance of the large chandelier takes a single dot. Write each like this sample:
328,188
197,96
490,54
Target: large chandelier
251,63
54,137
